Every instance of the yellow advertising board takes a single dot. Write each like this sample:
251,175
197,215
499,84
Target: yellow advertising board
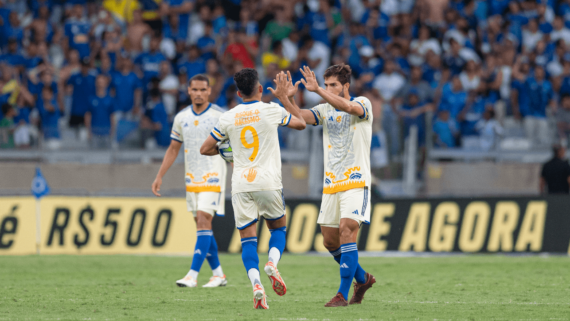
17,225
82,225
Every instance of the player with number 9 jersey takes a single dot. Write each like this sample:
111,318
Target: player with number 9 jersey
252,129
257,190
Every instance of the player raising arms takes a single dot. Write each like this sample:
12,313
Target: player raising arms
205,177
257,191
347,135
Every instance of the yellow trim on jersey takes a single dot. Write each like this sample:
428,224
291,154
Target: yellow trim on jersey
335,188
206,188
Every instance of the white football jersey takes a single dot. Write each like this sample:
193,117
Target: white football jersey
252,130
203,173
346,143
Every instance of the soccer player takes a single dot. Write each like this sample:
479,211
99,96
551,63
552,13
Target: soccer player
347,135
257,189
205,177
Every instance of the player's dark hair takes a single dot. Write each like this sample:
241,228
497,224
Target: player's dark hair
199,77
342,72
246,80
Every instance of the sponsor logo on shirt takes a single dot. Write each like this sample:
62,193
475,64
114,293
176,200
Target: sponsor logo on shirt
247,117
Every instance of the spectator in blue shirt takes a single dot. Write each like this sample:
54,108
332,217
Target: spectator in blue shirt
13,29
82,85
49,115
540,94
520,101
445,130
472,114
173,30
98,118
413,113
180,9
453,97
453,60
128,89
13,56
149,62
206,43
193,64
158,118
77,31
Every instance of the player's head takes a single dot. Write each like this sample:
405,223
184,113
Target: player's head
199,89
337,79
247,82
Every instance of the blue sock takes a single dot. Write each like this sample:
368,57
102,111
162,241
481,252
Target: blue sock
348,264
277,244
202,247
359,275
249,253
212,255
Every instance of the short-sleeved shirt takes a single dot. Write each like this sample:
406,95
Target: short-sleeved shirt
125,86
101,109
203,173
346,144
251,128
77,32
556,172
83,88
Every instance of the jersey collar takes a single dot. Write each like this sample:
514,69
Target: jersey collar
250,102
205,110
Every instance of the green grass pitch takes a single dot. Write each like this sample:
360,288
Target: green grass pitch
478,287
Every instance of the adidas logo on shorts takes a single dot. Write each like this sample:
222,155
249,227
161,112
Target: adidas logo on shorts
344,266
355,212
213,203
198,252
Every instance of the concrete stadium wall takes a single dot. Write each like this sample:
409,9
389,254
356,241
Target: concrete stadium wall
441,179
121,179
481,179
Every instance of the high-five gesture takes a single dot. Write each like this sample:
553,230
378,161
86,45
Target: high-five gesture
292,89
310,80
282,84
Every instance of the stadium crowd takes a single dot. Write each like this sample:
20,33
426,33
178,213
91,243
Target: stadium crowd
469,72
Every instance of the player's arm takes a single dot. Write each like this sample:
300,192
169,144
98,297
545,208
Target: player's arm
285,92
210,147
340,103
169,158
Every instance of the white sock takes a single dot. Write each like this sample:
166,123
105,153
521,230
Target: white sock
274,256
193,274
253,275
218,271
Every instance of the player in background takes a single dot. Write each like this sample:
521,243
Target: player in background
205,177
347,135
257,189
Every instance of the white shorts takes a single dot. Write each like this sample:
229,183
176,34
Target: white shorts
208,202
249,206
353,204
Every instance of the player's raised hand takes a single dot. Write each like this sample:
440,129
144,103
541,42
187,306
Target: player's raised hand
281,86
156,186
310,80
291,89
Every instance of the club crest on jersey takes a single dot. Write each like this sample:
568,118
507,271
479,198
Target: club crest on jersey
196,123
355,176
338,119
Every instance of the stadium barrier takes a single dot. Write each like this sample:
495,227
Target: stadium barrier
83,225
